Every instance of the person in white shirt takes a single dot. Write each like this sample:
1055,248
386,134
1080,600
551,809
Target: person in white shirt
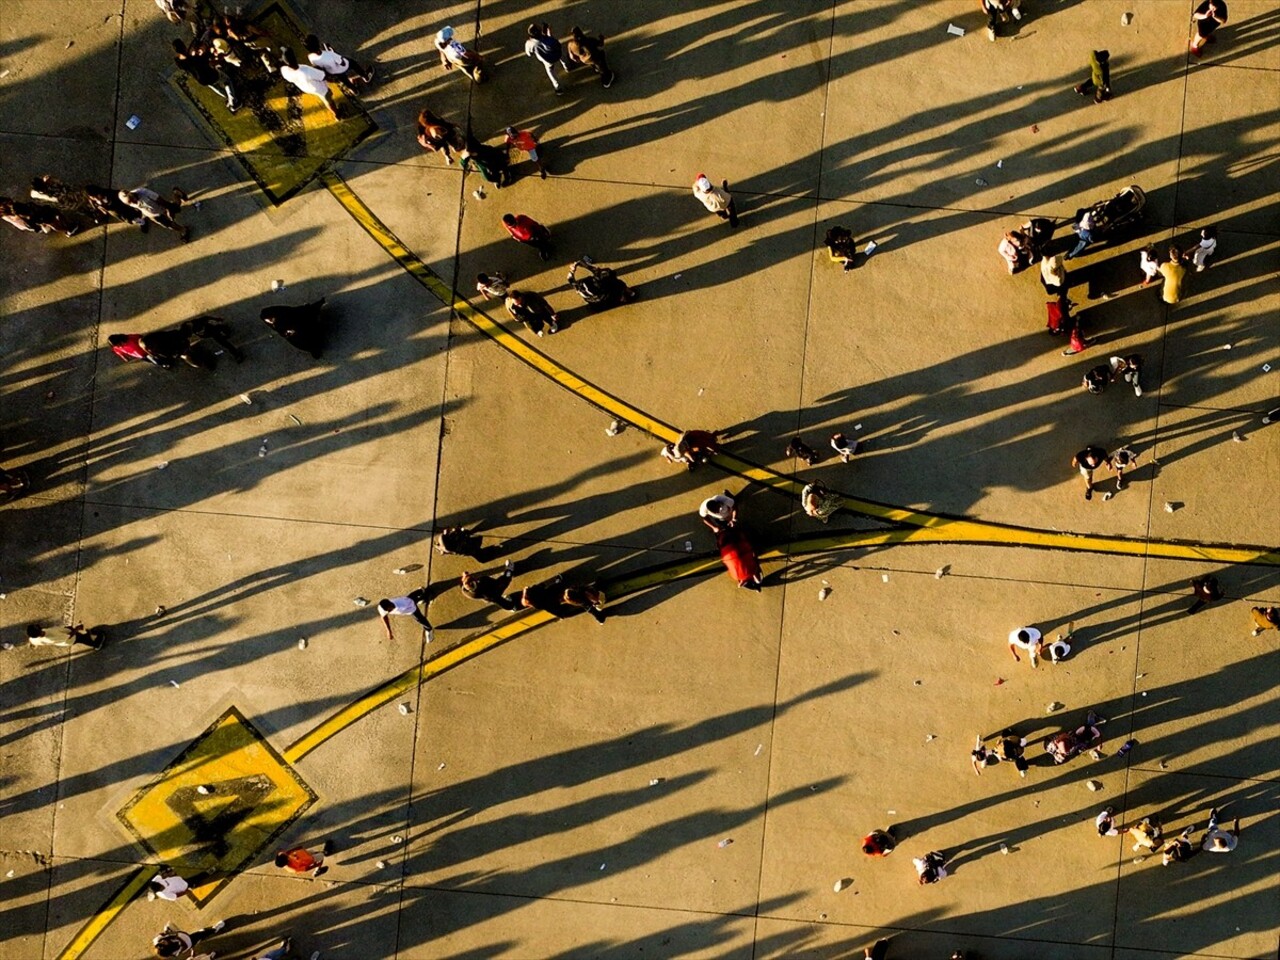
1029,639
1208,244
308,79
166,885
324,57
406,606
1217,840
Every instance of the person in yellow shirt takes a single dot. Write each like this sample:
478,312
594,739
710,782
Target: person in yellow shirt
1173,272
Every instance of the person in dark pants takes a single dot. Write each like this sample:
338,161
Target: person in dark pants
211,328
492,162
460,542
533,311
1205,590
1207,18
406,606
438,134
491,589
177,943
1088,460
584,50
301,326
546,597
1099,82
718,200
12,483
587,598
525,229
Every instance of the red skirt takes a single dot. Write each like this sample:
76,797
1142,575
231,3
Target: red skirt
738,555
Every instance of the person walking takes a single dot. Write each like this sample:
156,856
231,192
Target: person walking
716,199
719,512
300,327
155,209
1099,82
844,447
1128,369
588,51
490,161
524,229
533,311
439,135
797,449
76,634
166,885
173,944
491,589
453,53
1122,459
1217,840
1204,590
841,246
1053,275
1265,618
1084,232
492,285
1029,639
1174,273
1149,262
819,502
1146,833
589,598
1105,823
279,952
308,79
1088,460
1205,20
998,12
525,141
1179,849
879,843
324,57
543,46
300,860
1205,249
930,868
459,541
406,606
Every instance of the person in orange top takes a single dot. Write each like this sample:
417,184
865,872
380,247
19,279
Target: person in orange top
301,860
526,141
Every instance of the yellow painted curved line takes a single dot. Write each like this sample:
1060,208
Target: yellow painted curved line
90,932
952,529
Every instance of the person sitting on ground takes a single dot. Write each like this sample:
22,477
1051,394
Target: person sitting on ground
694,447
36,217
166,885
14,482
439,135
155,209
1179,849
492,162
841,247
930,868
1145,833
459,541
491,589
601,287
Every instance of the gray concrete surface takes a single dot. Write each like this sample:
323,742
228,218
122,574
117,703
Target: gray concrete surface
566,794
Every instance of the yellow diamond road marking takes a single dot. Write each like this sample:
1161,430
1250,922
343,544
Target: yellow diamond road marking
218,805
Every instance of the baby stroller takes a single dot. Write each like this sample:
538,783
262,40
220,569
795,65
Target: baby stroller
1122,209
1025,245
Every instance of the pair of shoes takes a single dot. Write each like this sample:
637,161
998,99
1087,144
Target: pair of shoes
542,333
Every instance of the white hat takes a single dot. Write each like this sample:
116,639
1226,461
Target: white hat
702,183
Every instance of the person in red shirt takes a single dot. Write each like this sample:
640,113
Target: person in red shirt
301,860
528,230
526,141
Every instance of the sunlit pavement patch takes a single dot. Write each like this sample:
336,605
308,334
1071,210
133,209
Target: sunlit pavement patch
281,138
218,805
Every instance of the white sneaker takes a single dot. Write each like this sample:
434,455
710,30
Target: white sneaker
991,34
218,926
1017,14
430,634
